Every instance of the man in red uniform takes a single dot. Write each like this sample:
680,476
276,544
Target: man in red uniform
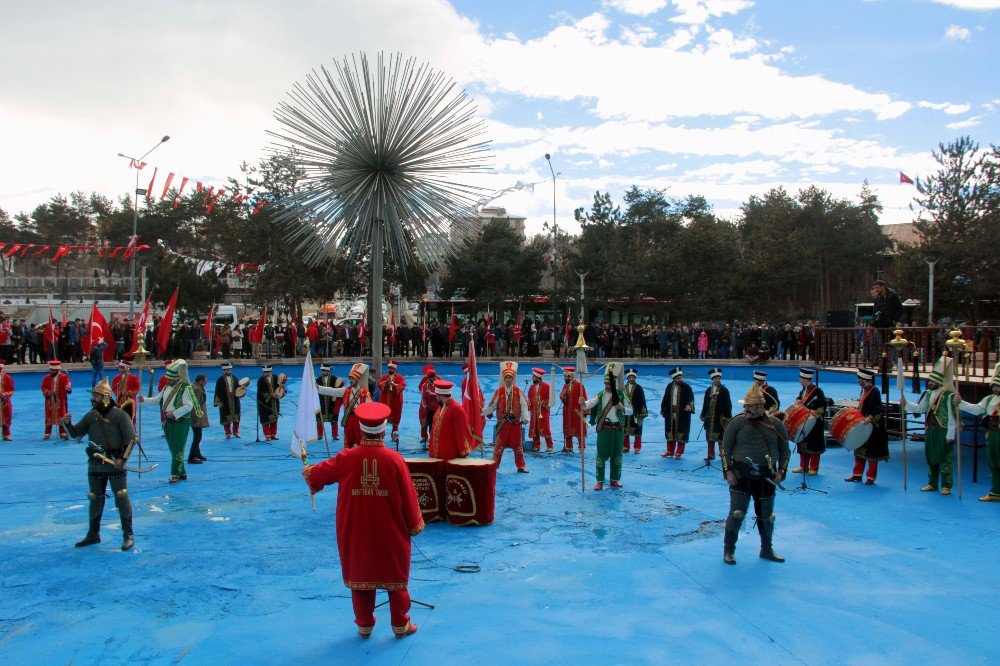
392,386
56,386
354,395
377,514
451,436
125,387
540,401
512,411
6,404
428,402
572,424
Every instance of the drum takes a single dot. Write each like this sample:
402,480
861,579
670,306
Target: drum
241,387
471,490
428,481
281,391
799,422
850,429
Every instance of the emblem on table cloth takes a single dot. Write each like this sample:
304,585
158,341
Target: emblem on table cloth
427,493
461,499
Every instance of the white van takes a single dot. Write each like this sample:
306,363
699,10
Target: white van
224,314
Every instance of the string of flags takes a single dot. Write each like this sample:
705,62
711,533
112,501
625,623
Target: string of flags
203,266
212,195
9,250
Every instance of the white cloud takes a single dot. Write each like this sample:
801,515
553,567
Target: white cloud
956,33
696,12
735,172
947,107
640,7
963,124
976,5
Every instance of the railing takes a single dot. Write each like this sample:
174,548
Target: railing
859,346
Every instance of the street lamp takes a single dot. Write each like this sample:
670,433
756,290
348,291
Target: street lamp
555,232
135,222
930,291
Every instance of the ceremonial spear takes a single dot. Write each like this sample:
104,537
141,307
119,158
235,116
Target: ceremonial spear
385,148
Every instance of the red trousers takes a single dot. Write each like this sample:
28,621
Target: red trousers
679,450
364,609
809,461
62,430
333,429
859,468
232,428
509,437
711,449
628,443
569,443
270,430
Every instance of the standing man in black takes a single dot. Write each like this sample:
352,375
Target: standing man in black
716,412
112,437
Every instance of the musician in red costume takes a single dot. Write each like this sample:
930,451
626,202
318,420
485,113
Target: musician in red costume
391,386
126,386
572,424
512,410
377,514
56,388
354,394
540,400
451,436
6,402
482,401
428,402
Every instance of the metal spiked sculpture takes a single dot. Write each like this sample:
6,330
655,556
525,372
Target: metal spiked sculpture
383,148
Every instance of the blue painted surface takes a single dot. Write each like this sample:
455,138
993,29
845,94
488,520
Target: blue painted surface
233,565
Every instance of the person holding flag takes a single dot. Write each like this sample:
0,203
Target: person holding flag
391,387
451,435
377,514
56,387
473,399
541,399
428,402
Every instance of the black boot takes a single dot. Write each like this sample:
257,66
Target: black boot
765,525
124,505
96,512
88,540
738,502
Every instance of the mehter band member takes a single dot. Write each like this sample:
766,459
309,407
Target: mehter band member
177,403
512,411
6,402
608,411
676,409
938,402
354,394
754,454
814,445
989,407
540,403
716,412
56,388
451,435
877,446
126,386
573,424
112,437
377,514
391,387
227,399
633,422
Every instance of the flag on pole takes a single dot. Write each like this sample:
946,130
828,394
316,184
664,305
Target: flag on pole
130,248
98,328
904,179
149,190
472,398
489,317
566,331
209,328
392,327
166,185
140,327
304,430
166,324
257,334
451,329
50,335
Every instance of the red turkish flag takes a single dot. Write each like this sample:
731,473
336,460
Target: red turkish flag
140,327
903,178
98,328
166,324
472,398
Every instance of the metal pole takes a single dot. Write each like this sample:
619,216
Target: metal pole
930,292
143,286
376,303
555,235
135,223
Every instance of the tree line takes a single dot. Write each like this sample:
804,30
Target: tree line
785,256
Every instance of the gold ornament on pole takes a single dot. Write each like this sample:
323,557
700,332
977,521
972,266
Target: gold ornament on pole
956,346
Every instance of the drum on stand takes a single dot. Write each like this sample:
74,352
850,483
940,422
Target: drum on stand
471,491
850,429
428,480
799,422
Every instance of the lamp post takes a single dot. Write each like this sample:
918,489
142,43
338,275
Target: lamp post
135,222
555,235
930,291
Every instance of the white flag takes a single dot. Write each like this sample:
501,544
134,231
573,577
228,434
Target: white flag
305,416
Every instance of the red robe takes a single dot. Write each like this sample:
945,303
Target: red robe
377,513
428,401
538,405
55,405
125,390
352,426
6,404
450,434
508,416
571,421
392,387
477,416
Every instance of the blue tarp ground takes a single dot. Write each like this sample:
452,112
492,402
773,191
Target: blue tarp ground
233,566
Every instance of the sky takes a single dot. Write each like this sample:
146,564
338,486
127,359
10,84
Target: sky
720,98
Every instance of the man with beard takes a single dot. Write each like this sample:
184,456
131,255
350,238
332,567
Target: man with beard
391,387
633,422
540,400
451,435
56,388
574,424
227,401
354,395
112,437
676,409
716,412
125,387
608,411
938,402
755,456
814,445
512,411
268,403
877,446
329,408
